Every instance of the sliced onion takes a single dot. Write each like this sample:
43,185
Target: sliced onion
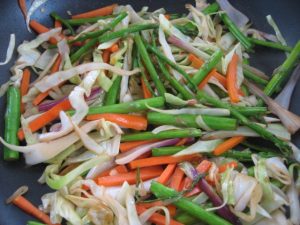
200,147
164,128
235,15
256,71
127,157
95,171
45,58
277,170
42,152
194,111
188,47
261,35
34,6
88,142
10,49
56,78
149,212
217,201
66,128
290,120
78,103
285,95
276,29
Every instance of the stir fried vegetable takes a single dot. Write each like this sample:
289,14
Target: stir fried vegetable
152,118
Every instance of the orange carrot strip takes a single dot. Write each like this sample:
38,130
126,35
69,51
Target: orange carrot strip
106,55
46,117
167,16
161,160
206,79
196,62
224,167
196,190
126,146
29,208
116,180
57,24
177,179
23,7
220,78
104,11
182,141
204,166
40,97
24,86
232,79
118,169
156,218
56,64
114,48
125,120
39,28
228,144
146,92
186,183
165,176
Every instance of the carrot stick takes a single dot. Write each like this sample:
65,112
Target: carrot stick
40,97
125,120
182,141
220,78
23,7
204,166
146,92
156,218
165,176
224,167
126,146
130,177
228,144
104,11
24,86
177,179
167,16
161,160
57,24
106,55
232,79
46,117
196,62
39,28
114,48
116,170
18,200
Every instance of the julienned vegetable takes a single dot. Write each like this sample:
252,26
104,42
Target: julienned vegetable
149,117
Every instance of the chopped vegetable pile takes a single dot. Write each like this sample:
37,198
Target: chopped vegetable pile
154,118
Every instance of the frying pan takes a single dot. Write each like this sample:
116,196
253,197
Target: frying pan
14,174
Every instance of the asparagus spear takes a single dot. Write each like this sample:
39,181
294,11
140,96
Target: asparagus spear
188,120
283,146
128,107
160,191
270,44
183,133
172,64
212,8
280,76
251,76
78,22
235,31
64,22
162,151
12,122
150,67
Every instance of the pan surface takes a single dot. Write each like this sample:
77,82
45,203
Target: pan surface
15,174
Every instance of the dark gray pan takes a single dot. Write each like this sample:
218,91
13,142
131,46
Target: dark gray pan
12,175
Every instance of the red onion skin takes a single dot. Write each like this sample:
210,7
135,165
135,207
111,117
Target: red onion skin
48,105
217,201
